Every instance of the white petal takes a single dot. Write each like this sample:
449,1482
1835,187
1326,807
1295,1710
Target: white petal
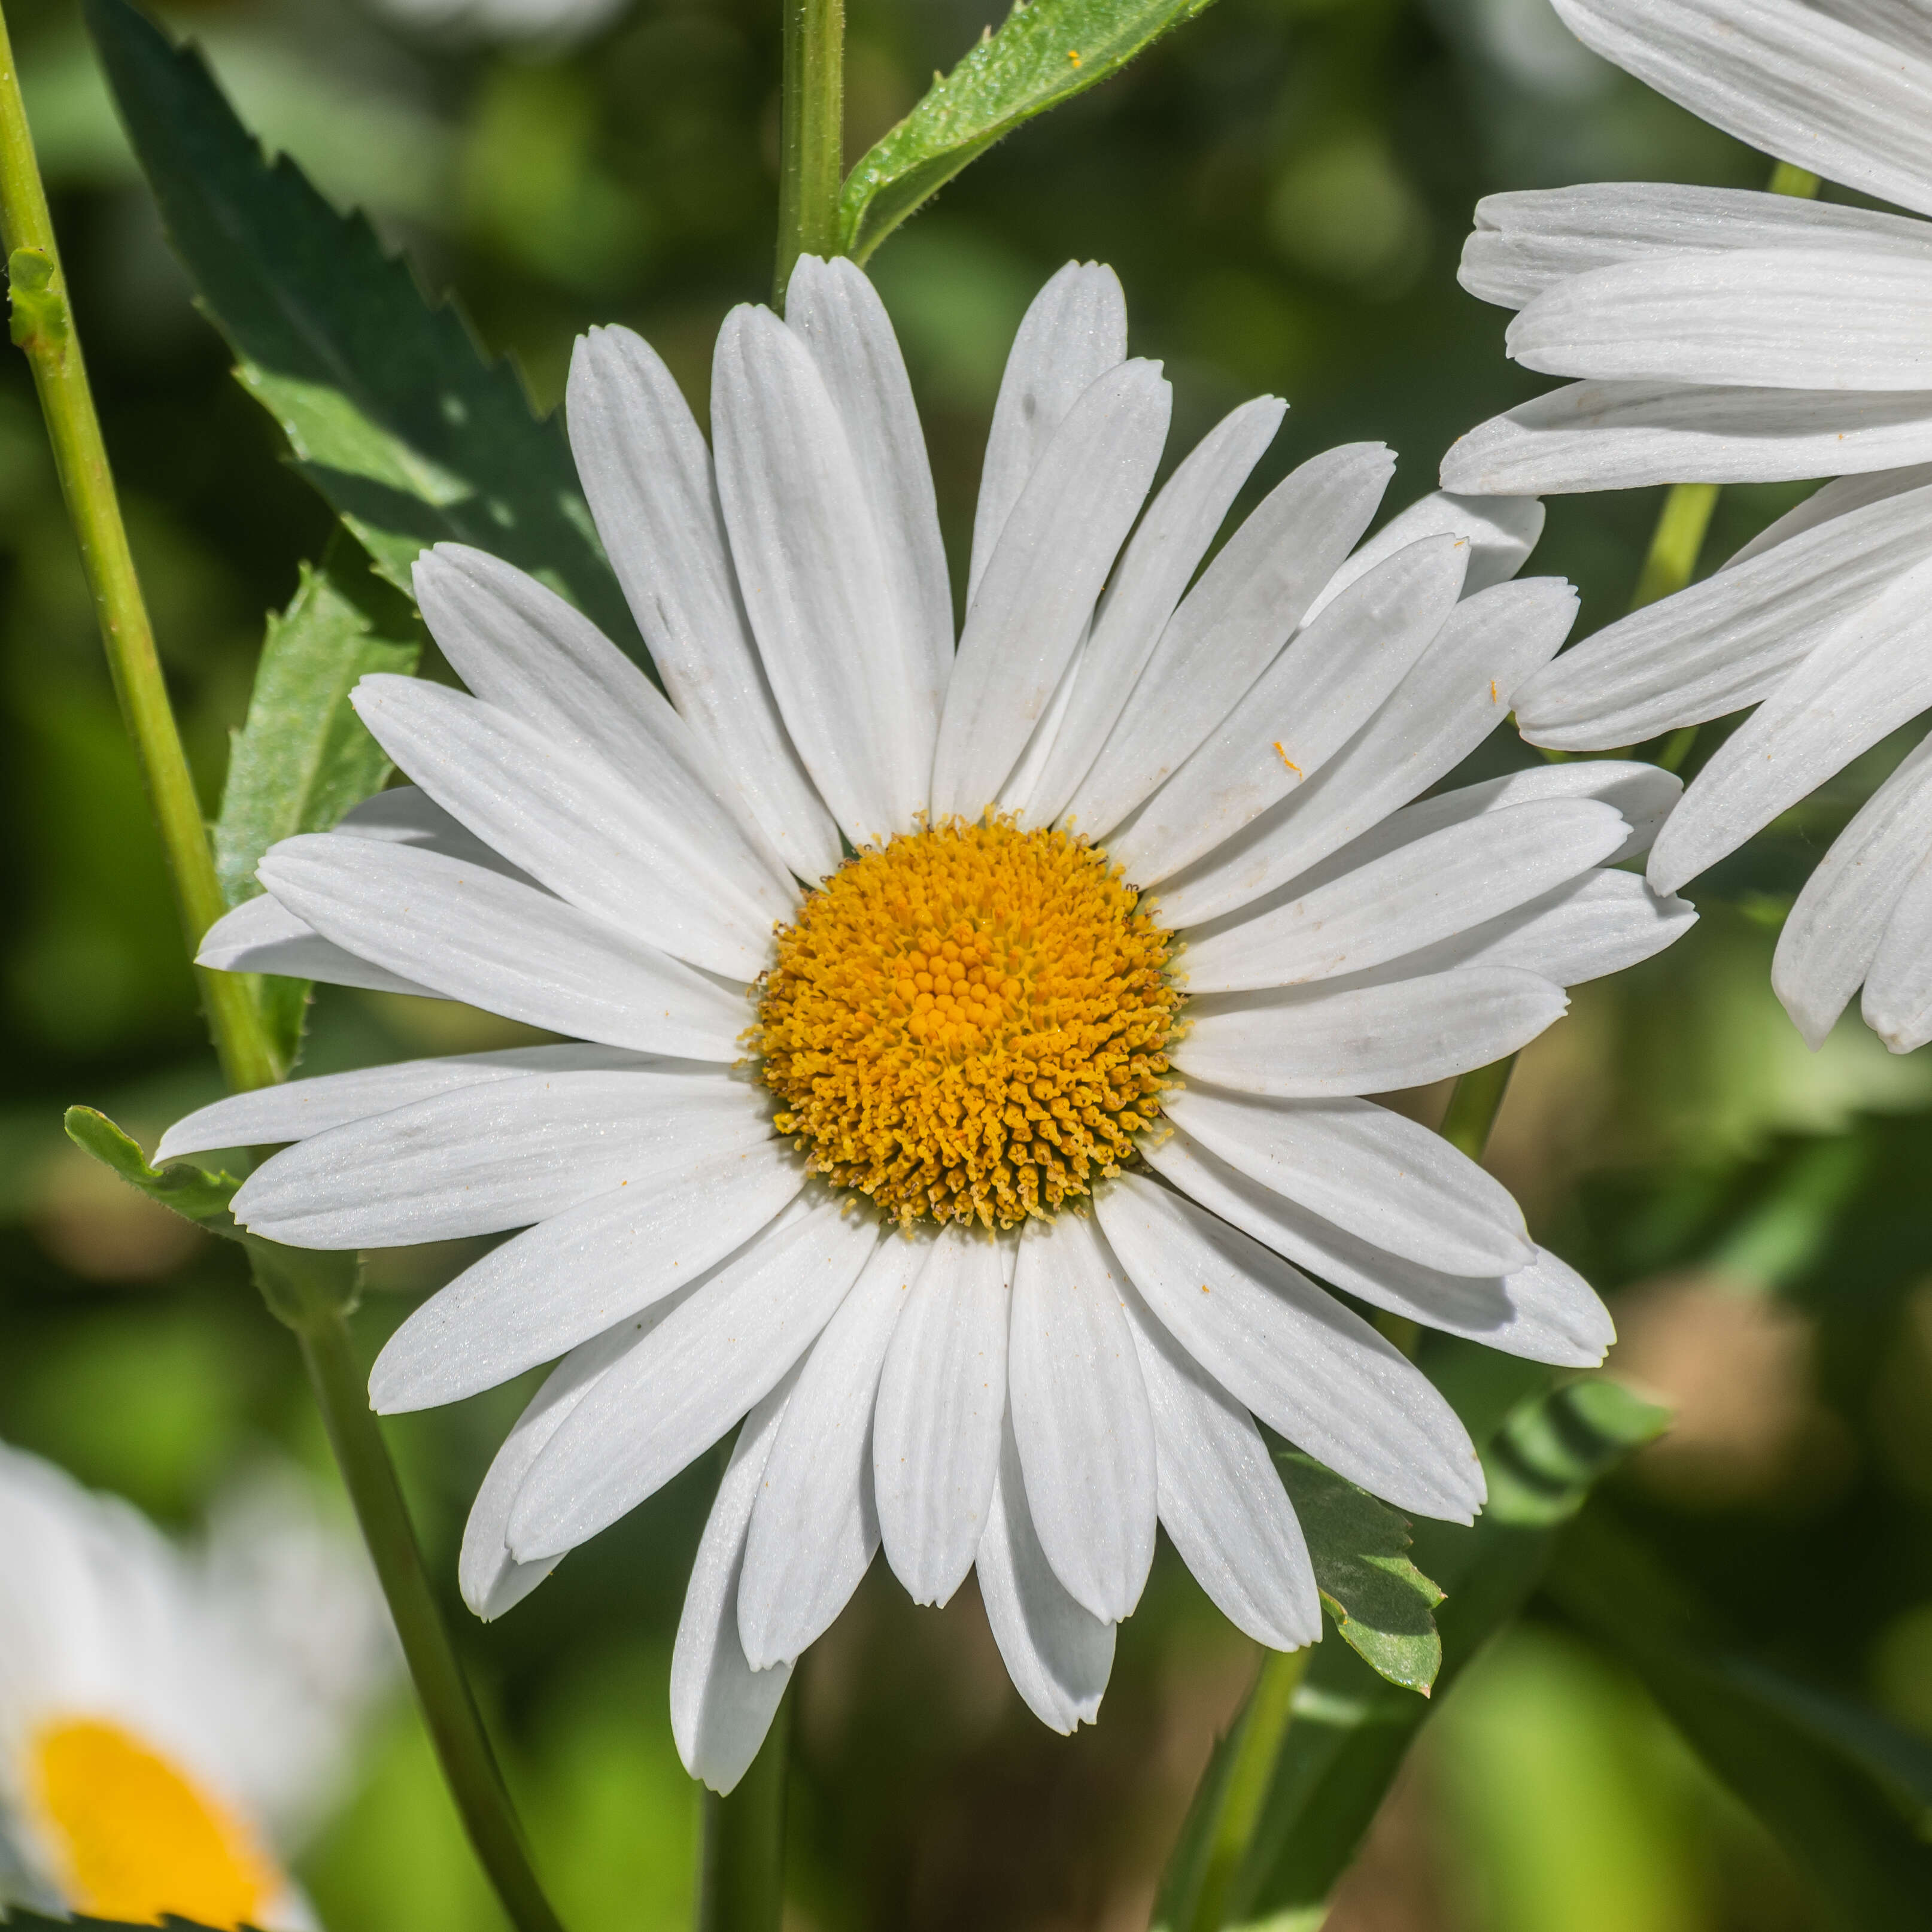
1381,1177
1597,924
298,1108
654,853
1867,678
859,697
1545,1310
1037,592
1897,1003
1221,1496
1316,696
1618,436
1428,890
1080,1416
1160,558
680,1387
1837,498
1500,531
1073,333
1832,934
836,312
1785,318
721,1708
1524,243
474,935
1371,1039
648,476
1016,791
1446,706
492,1580
480,1158
573,1276
1728,641
1058,1655
1230,625
814,1527
524,651
936,1429
1783,77
1295,1356
261,935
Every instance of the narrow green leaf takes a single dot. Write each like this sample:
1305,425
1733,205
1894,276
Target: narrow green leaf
1047,52
1840,1789
389,407
1381,1602
192,1192
304,758
1351,1727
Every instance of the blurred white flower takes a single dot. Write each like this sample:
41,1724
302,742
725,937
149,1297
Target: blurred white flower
1724,336
966,1028
548,22
173,1721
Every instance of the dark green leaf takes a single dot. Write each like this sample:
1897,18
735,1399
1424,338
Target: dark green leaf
1840,1789
1046,52
1381,1602
1351,1728
389,407
303,758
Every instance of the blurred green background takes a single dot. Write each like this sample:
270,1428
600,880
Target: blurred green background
1283,187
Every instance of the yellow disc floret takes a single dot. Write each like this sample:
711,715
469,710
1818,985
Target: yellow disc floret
970,1024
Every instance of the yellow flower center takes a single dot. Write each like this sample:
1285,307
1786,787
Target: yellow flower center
136,1837
969,1023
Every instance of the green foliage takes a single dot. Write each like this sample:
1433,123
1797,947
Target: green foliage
1046,52
388,405
1381,1602
39,317
192,1192
304,758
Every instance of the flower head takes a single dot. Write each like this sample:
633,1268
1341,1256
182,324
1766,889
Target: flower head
969,1044
168,1721
1723,336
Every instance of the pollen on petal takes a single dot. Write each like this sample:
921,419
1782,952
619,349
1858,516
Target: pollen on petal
970,1023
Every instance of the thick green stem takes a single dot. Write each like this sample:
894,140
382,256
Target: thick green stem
1473,1105
741,1873
43,327
469,1765
811,150
1681,525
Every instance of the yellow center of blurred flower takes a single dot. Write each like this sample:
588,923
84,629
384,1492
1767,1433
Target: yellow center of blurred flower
135,1836
969,1023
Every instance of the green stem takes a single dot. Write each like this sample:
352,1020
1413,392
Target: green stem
43,327
469,1765
812,150
1681,525
741,1872
1259,1730
1473,1105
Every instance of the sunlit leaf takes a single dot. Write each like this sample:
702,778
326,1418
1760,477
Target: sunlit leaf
303,757
1046,52
194,1192
1381,1602
389,407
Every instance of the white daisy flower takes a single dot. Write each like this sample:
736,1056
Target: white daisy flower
976,1180
171,1722
1724,336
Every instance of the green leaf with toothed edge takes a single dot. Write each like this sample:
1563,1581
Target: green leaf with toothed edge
1046,52
390,408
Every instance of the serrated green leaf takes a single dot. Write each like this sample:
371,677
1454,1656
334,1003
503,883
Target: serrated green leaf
1381,1602
1045,52
388,404
304,758
194,1192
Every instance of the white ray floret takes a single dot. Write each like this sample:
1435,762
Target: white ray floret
1722,336
1025,1393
